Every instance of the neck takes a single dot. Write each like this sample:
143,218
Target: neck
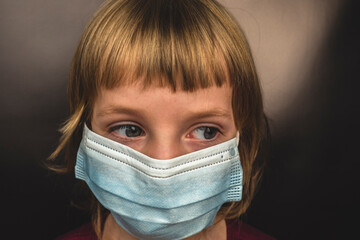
112,231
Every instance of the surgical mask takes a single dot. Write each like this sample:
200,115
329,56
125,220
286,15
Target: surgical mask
160,199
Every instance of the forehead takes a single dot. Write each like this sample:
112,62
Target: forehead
163,101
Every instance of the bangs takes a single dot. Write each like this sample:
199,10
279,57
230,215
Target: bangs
166,43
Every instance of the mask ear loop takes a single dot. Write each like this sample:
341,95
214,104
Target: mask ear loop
237,138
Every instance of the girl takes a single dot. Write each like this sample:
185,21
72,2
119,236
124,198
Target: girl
166,122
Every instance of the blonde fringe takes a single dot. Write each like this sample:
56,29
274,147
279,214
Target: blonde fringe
67,131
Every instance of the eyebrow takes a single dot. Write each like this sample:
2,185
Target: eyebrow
211,113
217,112
118,109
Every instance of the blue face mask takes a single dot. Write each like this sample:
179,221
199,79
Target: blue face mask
160,199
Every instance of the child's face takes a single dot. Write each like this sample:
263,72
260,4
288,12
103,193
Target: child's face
163,124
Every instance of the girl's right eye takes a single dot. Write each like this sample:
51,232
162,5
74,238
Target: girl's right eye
127,131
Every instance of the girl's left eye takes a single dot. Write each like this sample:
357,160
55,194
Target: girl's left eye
129,131
204,132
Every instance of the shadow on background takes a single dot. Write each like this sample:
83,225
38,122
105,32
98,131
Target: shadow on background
38,39
310,188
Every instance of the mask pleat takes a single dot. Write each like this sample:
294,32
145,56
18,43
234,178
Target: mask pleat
152,198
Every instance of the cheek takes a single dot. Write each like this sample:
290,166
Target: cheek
96,127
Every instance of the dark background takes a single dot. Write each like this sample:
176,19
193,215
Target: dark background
310,188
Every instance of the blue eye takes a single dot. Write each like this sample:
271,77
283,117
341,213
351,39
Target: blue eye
205,132
130,131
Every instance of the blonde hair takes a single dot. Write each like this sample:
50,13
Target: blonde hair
152,42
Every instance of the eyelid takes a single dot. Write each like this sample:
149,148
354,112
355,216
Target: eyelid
205,125
124,123
210,125
112,128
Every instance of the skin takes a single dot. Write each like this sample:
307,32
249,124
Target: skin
163,124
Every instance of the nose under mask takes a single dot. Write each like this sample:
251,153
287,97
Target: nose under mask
160,199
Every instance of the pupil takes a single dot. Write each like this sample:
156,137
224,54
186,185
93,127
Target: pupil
132,131
209,133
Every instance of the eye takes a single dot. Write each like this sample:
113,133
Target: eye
205,132
130,131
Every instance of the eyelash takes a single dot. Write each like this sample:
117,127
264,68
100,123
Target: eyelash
213,131
127,127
